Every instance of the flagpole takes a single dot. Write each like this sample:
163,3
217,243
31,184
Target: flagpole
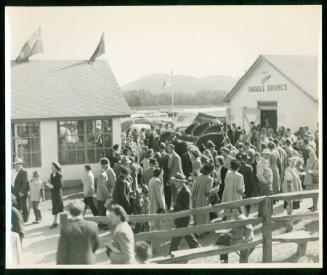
172,94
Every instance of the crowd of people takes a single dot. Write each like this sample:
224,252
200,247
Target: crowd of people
149,177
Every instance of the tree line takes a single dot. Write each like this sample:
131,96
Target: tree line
140,98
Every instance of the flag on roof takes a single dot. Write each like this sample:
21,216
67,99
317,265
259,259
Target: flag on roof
31,47
99,50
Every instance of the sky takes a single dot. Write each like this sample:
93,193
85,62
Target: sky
190,40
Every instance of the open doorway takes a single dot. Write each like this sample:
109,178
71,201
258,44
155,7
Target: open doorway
268,119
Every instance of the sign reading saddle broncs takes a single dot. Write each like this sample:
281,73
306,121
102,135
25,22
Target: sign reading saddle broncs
267,88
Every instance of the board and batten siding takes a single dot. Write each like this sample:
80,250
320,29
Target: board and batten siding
294,108
49,152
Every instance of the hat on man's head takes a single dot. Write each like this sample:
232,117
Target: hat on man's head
125,160
179,177
104,161
18,161
245,157
153,162
251,152
57,165
225,149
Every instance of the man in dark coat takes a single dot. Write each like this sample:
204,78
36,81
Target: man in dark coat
247,171
78,239
164,165
183,202
21,188
187,164
121,194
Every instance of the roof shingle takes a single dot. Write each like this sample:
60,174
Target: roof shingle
46,89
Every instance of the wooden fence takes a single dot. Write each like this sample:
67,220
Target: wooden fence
266,219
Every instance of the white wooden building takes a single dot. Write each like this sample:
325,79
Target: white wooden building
65,111
280,88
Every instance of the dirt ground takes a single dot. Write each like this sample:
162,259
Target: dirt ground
40,242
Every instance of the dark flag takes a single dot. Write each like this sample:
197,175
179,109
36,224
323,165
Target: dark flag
31,47
99,50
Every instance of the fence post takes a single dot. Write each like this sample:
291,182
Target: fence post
267,232
63,219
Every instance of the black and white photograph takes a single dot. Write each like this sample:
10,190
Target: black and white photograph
163,137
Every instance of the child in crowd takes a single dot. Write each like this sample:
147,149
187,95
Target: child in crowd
36,193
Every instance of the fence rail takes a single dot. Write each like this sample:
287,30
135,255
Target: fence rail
265,203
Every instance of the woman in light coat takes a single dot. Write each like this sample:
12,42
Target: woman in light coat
156,194
201,190
234,185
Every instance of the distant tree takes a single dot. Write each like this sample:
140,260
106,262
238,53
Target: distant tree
142,98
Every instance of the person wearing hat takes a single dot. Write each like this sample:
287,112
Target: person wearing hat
221,172
121,194
174,166
116,166
145,162
275,166
21,188
211,146
201,189
251,161
55,185
105,186
156,195
183,202
234,185
164,165
196,160
264,174
36,193
79,239
148,174
227,157
111,175
282,157
187,162
247,171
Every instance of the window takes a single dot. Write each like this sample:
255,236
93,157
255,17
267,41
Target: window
26,143
84,141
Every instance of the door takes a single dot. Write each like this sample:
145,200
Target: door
269,119
268,114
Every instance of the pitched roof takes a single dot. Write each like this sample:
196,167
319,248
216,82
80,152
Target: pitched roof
45,89
301,70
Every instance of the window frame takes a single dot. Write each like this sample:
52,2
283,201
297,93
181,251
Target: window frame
14,138
85,135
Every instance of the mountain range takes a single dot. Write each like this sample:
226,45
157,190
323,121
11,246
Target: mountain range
181,83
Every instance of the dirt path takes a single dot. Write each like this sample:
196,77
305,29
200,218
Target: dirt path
40,243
